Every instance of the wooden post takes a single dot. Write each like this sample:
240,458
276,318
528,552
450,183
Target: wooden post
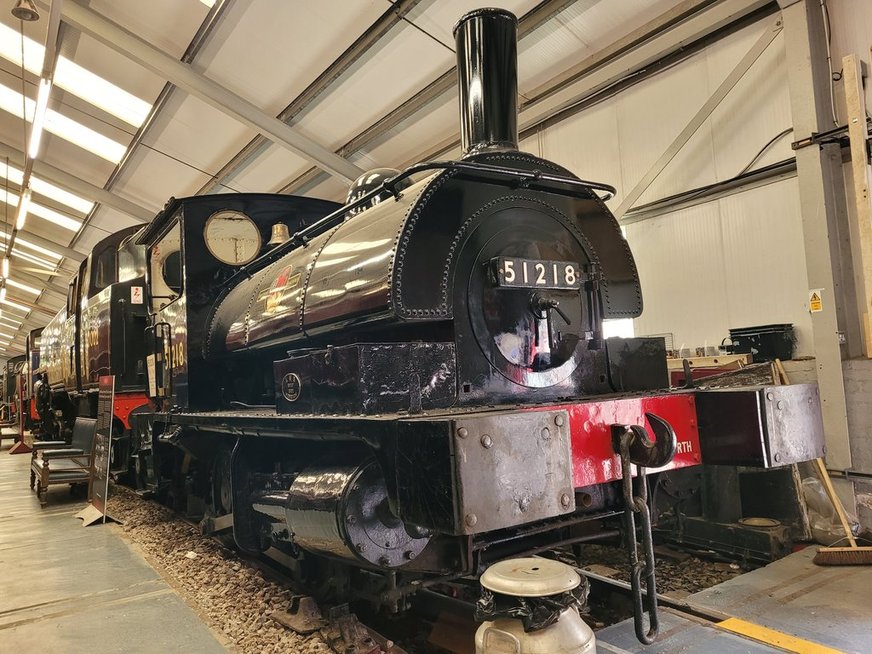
858,133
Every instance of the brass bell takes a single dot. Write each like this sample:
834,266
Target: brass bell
280,234
25,10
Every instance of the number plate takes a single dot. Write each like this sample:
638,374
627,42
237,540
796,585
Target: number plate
537,273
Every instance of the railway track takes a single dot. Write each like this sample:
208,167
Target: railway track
246,598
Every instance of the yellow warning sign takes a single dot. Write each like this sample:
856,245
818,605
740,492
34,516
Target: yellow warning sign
815,301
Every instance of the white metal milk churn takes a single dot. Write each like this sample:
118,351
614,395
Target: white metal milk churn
530,606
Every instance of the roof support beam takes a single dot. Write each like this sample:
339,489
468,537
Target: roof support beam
673,30
30,305
700,117
79,186
41,241
185,77
36,282
258,145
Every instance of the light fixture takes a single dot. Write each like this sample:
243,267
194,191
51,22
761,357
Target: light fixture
25,10
15,305
42,187
66,128
51,215
101,93
23,205
23,287
74,79
5,267
39,117
32,246
47,266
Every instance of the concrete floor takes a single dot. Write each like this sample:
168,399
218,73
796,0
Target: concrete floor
68,589
679,634
831,605
792,604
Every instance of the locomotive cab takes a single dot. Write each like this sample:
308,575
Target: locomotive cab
95,332
193,248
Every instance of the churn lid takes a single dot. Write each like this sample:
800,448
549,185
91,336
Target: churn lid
530,577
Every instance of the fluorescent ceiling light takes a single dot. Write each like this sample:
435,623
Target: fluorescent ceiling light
23,287
38,248
9,336
33,246
48,265
208,3
14,305
5,269
39,117
41,187
66,128
43,212
75,79
15,323
60,195
23,207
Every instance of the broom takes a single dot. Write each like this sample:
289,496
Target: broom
854,554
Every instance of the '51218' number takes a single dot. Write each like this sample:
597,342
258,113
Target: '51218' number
537,273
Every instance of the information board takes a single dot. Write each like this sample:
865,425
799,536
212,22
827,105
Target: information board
103,444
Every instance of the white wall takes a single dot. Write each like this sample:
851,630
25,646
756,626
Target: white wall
851,23
733,262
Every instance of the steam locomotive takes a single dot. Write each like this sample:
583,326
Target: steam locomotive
100,331
412,385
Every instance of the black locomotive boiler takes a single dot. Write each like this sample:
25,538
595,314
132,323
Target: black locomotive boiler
414,384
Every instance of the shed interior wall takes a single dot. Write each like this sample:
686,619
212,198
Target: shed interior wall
735,261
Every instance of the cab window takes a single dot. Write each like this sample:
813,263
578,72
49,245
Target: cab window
72,295
165,268
103,271
131,260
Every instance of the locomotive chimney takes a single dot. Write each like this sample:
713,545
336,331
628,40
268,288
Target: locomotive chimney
487,76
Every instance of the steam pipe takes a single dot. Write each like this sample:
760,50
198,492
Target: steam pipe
487,78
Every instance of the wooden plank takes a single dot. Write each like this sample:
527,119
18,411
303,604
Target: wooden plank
858,133
710,362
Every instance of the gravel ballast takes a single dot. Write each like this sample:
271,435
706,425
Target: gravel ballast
230,594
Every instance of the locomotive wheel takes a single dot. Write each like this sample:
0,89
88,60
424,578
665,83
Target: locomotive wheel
222,495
